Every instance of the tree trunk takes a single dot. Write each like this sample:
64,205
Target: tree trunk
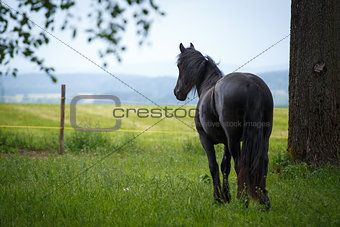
314,81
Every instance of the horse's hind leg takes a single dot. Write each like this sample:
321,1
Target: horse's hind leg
225,168
262,193
213,166
235,150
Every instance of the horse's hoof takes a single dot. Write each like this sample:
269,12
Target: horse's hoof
227,198
265,202
267,205
219,201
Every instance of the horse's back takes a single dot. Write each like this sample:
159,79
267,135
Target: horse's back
238,93
235,84
237,89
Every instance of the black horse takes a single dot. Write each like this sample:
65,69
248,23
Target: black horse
232,108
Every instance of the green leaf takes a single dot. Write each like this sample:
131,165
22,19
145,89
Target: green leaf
74,33
54,79
27,52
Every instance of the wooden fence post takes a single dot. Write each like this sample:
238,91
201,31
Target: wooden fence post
62,118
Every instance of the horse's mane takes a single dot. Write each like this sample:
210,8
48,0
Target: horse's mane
198,69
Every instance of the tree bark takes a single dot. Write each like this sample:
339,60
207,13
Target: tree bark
314,81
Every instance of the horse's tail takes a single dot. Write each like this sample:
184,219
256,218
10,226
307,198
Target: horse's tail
253,157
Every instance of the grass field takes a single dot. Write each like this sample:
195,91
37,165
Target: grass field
129,178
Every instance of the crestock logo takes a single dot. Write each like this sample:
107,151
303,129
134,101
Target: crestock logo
73,112
165,112
119,112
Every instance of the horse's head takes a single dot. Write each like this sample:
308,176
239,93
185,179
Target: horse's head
187,66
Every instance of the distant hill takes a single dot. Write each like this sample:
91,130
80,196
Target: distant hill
158,89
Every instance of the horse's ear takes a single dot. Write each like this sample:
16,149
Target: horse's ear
181,47
192,46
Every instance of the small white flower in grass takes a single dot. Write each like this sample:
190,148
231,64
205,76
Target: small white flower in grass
126,189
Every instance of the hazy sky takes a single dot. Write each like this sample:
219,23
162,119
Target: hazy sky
231,32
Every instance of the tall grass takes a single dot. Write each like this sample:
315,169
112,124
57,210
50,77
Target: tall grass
12,141
123,179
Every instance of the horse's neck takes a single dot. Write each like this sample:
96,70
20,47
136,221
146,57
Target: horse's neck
211,76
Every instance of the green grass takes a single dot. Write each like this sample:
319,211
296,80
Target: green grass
154,179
